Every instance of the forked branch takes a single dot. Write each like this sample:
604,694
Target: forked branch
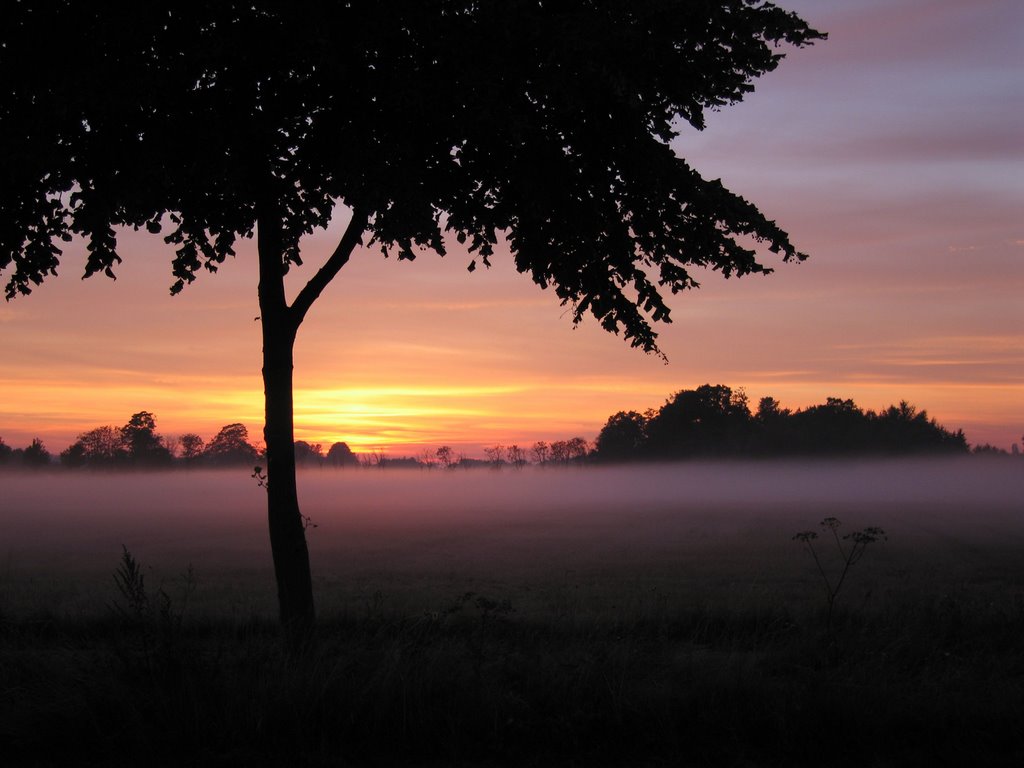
312,290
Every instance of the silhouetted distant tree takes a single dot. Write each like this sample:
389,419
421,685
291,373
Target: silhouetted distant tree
903,429
5,452
546,124
516,456
987,449
559,452
837,426
768,409
446,456
623,437
541,452
36,455
308,454
191,447
73,456
143,445
711,420
172,444
770,428
569,451
372,458
230,446
495,455
99,447
576,449
340,455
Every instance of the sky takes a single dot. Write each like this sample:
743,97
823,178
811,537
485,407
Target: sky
893,154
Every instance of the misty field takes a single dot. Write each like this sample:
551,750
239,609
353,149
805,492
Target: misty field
657,615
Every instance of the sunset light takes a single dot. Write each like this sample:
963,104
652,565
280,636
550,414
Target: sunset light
446,382
909,211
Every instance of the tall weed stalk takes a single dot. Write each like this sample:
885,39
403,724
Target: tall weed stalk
848,554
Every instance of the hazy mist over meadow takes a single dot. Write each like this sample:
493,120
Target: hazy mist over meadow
696,525
581,609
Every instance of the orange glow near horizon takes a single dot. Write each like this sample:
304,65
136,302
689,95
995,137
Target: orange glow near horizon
404,421
486,359
465,368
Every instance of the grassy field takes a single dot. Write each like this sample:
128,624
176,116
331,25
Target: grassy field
647,616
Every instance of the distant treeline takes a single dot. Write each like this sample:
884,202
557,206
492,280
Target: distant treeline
138,445
714,421
711,421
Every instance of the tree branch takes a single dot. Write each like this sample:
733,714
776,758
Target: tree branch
312,290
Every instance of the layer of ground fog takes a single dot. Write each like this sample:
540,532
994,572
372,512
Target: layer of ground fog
657,615
693,533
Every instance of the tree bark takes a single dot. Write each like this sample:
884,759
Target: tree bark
287,528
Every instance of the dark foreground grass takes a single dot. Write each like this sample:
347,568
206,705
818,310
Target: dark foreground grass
930,681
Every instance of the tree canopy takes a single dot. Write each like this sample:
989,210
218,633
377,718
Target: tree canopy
35,455
231,446
546,123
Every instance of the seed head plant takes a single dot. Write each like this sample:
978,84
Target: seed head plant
155,619
131,583
849,553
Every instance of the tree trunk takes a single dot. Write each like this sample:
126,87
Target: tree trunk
287,528
280,323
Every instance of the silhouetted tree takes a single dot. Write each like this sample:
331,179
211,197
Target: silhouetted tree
516,456
837,426
340,455
987,449
576,449
546,124
306,453
903,429
99,447
36,455
446,456
495,455
373,458
231,446
5,452
73,456
191,447
541,452
768,409
559,452
710,420
623,436
770,428
143,445
171,444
